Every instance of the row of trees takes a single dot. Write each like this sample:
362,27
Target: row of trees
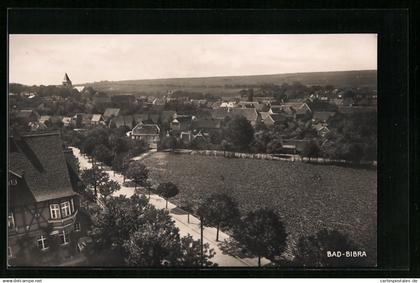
108,145
352,137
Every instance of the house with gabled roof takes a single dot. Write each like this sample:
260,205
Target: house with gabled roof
97,119
321,129
149,133
43,205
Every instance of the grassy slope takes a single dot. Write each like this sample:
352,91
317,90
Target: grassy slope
308,197
217,84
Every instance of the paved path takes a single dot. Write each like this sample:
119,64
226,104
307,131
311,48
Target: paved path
181,221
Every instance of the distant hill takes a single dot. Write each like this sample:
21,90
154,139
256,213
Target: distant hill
232,84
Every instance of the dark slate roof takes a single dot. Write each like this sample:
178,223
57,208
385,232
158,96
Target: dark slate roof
66,78
206,124
249,113
219,113
146,129
40,160
109,112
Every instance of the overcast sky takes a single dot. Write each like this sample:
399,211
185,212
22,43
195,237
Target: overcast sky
43,59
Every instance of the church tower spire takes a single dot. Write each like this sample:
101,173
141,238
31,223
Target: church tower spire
66,81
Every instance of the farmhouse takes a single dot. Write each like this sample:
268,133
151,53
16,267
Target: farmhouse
149,133
43,204
97,119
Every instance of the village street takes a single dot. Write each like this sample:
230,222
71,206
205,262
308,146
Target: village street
180,218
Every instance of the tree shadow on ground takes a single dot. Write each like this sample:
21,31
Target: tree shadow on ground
232,247
178,211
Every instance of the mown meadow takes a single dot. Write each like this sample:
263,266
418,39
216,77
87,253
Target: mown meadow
307,197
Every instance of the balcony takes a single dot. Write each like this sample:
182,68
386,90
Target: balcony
63,222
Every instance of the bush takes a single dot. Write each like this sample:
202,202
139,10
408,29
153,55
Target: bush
312,251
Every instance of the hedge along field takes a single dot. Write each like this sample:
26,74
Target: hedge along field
307,197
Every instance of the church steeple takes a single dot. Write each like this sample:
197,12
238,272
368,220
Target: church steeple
66,81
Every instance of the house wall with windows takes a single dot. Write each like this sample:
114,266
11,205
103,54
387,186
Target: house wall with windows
43,208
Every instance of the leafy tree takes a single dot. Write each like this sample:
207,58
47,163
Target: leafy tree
311,149
155,243
188,206
102,154
354,152
190,249
239,132
311,251
169,142
132,232
108,188
94,177
219,209
137,172
262,234
167,190
275,146
137,147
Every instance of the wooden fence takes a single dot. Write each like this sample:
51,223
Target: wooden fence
283,157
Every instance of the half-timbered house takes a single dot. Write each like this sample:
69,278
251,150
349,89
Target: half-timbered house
42,203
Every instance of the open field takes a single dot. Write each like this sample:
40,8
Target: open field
307,197
230,85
